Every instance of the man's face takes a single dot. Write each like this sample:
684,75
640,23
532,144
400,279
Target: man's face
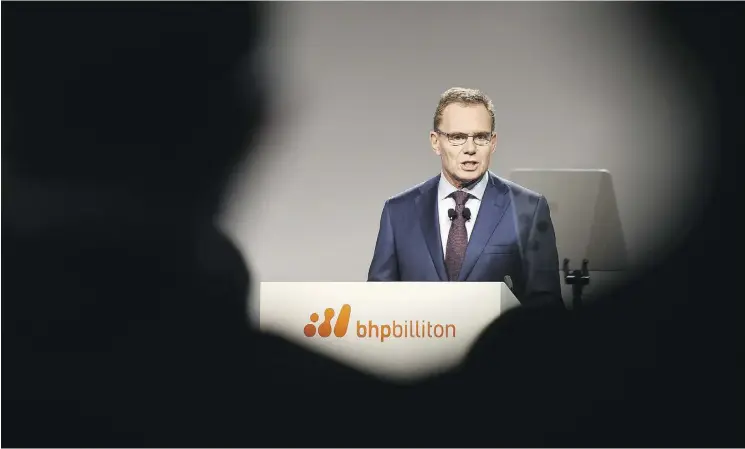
464,159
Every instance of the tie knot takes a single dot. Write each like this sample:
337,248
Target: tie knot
460,197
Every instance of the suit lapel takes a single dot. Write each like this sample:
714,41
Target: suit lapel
493,206
430,223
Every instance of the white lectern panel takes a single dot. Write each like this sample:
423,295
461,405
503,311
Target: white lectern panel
400,330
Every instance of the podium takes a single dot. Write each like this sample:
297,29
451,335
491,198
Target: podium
395,330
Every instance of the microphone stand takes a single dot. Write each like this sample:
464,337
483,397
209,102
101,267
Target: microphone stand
577,279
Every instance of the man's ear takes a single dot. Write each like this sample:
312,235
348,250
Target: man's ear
434,140
494,143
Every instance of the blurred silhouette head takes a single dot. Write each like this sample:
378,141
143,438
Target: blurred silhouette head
156,99
463,134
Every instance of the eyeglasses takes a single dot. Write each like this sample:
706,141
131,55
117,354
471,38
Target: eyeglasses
480,139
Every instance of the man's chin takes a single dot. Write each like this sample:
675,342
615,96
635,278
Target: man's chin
467,179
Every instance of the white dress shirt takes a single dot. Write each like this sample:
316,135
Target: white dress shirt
444,188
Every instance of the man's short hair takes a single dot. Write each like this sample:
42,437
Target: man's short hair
466,96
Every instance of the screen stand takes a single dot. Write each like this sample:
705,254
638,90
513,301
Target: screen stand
577,279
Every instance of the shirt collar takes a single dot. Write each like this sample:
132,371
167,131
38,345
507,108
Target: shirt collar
444,188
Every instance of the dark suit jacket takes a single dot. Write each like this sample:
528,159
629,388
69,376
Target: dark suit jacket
513,235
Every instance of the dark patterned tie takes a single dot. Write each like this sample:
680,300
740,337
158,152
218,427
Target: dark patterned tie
457,237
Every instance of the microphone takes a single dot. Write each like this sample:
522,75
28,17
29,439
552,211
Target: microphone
467,214
452,215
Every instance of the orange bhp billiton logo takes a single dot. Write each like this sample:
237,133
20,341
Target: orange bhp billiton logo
324,329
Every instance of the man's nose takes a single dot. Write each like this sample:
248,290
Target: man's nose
469,147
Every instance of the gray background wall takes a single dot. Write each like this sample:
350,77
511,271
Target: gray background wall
575,85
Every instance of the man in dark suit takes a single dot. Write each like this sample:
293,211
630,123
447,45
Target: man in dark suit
467,224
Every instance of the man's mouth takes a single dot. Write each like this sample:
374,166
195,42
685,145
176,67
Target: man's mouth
469,165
